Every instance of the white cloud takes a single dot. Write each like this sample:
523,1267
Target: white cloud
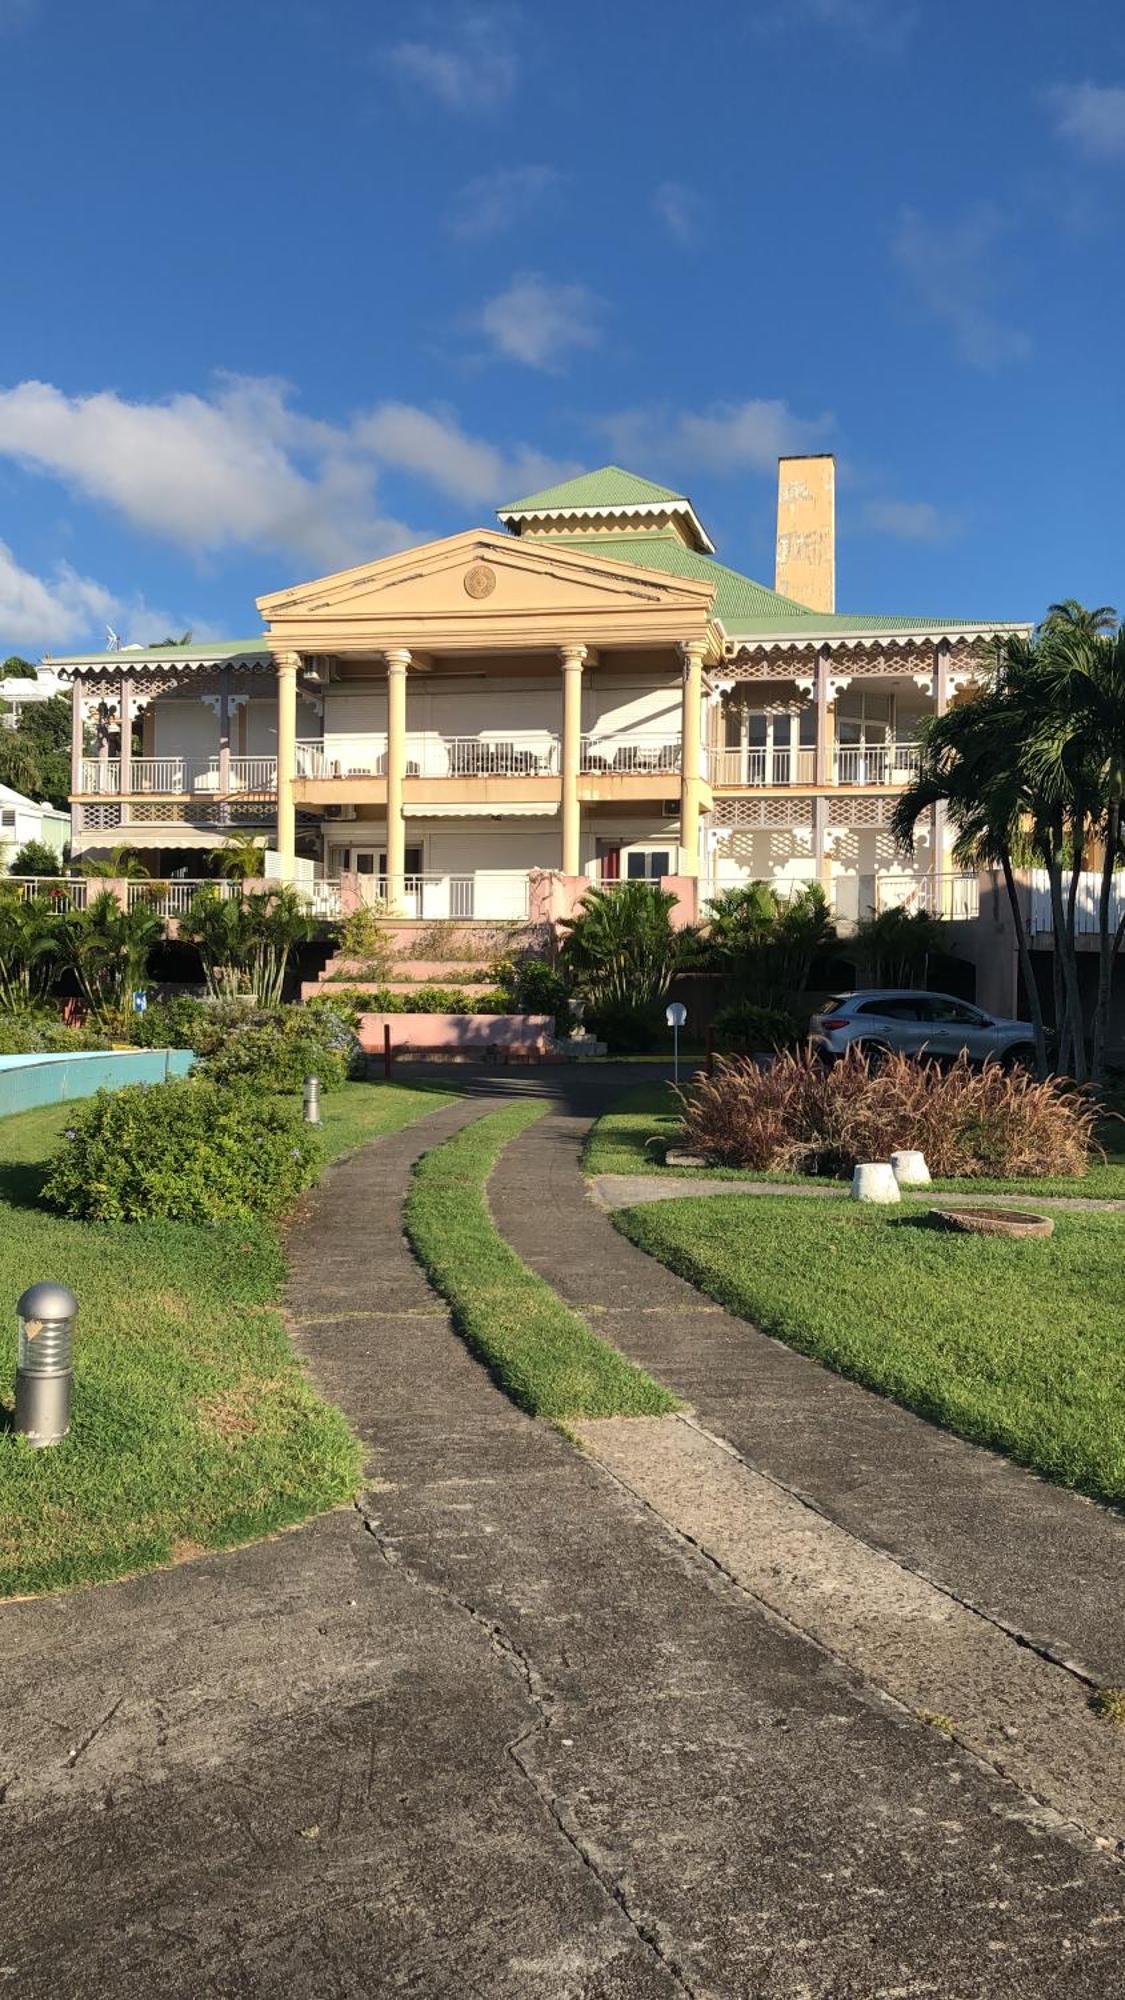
38,611
540,323
955,272
237,468
680,209
492,203
726,437
432,445
474,67
884,26
910,520
1091,116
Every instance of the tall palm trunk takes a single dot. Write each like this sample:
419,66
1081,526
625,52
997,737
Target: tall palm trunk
1107,942
1073,1035
1034,1003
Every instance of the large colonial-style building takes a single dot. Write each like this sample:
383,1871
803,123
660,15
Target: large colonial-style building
585,690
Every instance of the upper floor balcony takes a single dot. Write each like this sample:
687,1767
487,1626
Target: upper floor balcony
885,765
180,777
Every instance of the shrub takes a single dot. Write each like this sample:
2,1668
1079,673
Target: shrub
798,1116
185,1022
364,941
277,1051
621,950
35,1034
185,1151
628,1031
745,1026
35,858
531,986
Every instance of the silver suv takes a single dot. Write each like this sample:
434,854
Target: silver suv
918,1024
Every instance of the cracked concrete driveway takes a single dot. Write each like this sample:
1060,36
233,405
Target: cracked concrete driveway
493,1732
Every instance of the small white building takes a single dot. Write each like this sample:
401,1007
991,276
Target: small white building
24,819
19,692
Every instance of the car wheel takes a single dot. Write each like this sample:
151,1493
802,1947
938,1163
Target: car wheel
876,1053
1022,1056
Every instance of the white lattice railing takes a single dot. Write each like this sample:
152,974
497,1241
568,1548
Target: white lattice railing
642,755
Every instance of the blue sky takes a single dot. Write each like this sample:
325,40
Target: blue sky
291,283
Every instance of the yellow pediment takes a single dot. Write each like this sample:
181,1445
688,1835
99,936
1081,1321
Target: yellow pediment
481,588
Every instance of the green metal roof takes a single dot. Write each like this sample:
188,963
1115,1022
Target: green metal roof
211,649
609,486
744,607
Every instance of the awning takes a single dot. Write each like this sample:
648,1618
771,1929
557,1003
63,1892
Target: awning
482,809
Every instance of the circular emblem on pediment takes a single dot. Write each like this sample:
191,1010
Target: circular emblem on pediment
480,581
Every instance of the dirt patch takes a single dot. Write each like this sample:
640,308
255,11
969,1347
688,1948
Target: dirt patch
236,1413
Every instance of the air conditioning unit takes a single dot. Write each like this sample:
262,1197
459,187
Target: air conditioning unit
339,812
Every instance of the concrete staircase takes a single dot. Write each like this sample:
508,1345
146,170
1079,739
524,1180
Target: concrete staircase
472,947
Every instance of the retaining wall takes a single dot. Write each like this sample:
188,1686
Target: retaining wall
26,1082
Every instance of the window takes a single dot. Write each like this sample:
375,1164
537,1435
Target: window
896,1010
649,865
8,816
957,1011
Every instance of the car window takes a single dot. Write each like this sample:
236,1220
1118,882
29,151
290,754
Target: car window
958,1012
896,1010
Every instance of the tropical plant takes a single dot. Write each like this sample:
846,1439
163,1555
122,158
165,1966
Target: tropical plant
1071,617
799,1116
109,949
240,858
33,944
743,1027
35,755
763,942
121,864
35,857
620,950
278,1050
365,942
246,942
895,948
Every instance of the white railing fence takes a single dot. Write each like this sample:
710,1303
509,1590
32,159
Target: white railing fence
177,776
876,764
746,765
956,897
174,899
1087,901
69,889
491,893
642,755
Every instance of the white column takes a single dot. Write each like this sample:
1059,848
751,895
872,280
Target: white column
690,721
573,661
125,713
224,734
941,703
397,664
76,736
286,665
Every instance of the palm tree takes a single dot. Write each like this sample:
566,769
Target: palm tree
620,950
121,864
1077,753
1071,616
109,949
967,764
240,858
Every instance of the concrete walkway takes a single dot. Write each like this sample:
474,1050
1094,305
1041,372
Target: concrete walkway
626,1190
1042,1562
495,1732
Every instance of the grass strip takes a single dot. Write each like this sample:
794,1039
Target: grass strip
194,1424
544,1355
1014,1345
618,1144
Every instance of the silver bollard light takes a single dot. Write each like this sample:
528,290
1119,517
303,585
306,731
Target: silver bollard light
44,1363
312,1100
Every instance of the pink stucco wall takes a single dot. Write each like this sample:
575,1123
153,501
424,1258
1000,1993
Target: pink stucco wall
456,1031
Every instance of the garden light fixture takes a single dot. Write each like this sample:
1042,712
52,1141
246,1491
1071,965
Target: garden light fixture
311,1108
44,1364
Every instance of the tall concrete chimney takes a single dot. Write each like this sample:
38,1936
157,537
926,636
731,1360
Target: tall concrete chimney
806,530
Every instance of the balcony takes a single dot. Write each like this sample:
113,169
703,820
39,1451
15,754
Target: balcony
766,766
515,754
640,755
180,777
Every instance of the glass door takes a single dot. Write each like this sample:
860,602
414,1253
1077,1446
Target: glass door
864,734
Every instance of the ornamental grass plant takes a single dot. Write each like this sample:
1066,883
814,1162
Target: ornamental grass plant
799,1116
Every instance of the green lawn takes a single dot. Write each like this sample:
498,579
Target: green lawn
194,1426
543,1354
1016,1345
618,1145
